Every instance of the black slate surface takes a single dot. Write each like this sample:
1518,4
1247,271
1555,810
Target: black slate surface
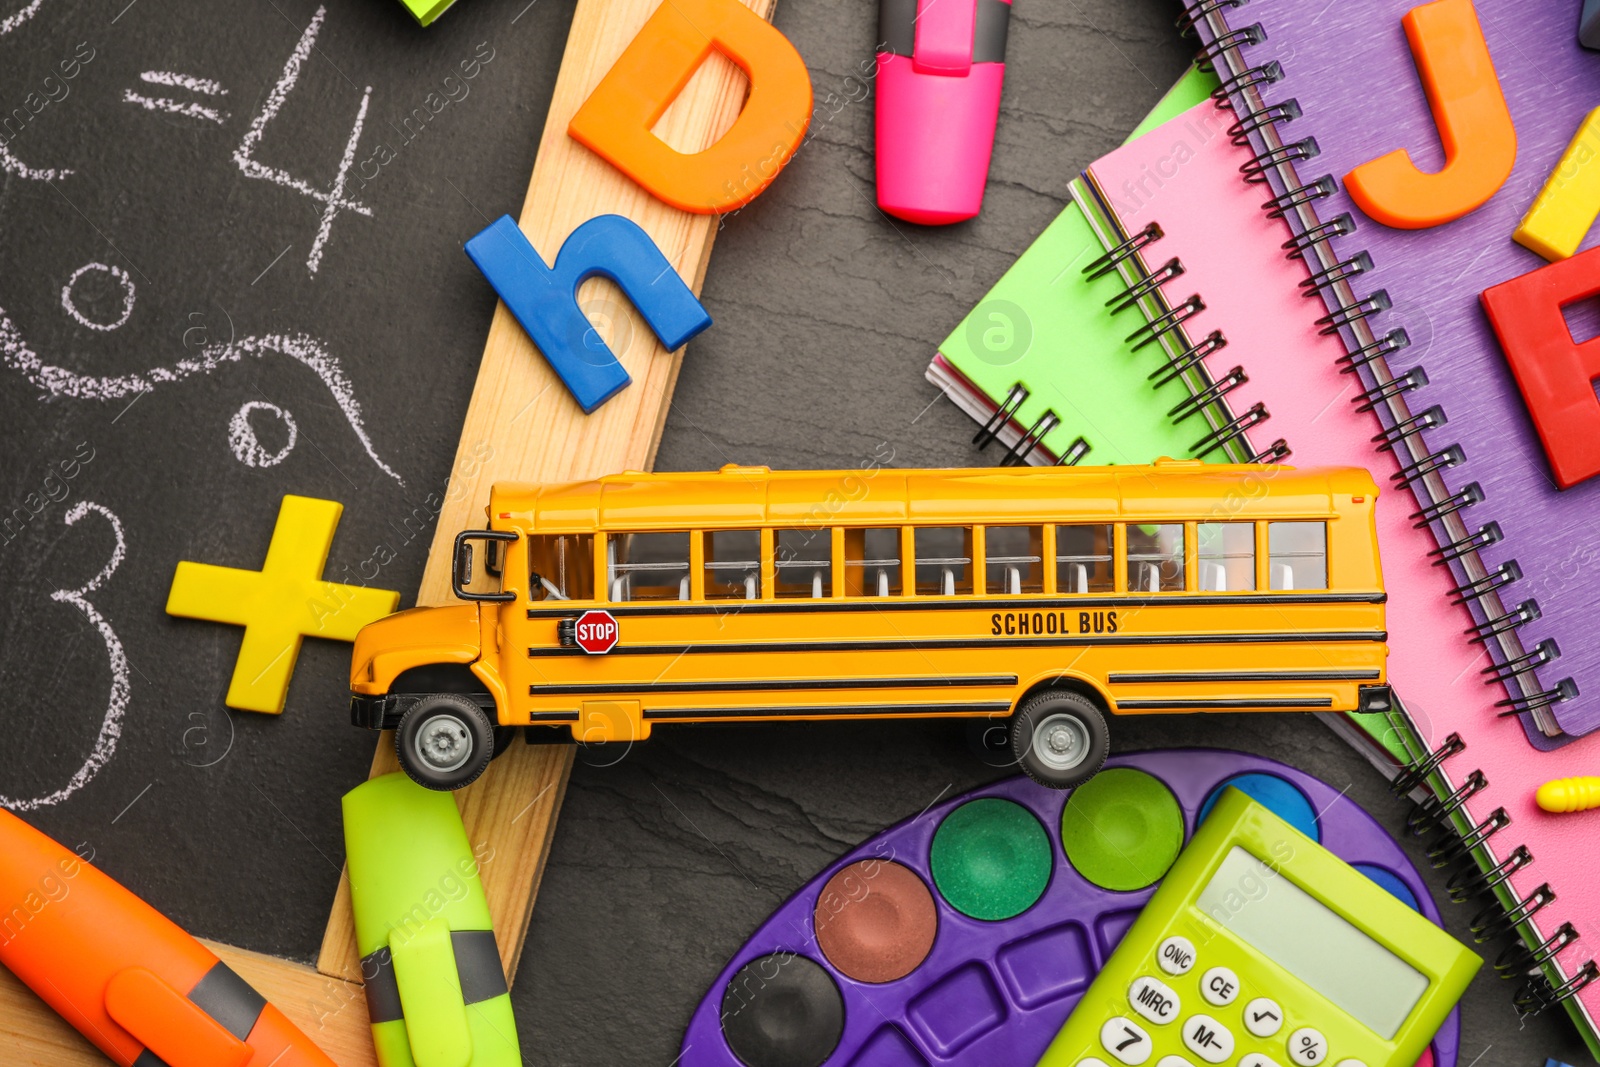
826,314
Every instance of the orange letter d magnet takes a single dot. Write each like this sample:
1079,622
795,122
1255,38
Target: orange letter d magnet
616,120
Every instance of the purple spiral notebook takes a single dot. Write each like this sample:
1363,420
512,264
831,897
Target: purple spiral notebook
1348,67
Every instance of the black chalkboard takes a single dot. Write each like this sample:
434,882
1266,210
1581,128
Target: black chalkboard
174,290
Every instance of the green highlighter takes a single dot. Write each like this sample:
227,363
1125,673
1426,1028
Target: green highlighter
435,989
1262,949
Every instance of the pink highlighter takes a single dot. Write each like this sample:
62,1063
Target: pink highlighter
940,67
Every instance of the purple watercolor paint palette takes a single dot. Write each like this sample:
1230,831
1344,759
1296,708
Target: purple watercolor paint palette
965,937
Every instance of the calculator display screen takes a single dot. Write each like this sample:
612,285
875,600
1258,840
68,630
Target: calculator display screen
1302,935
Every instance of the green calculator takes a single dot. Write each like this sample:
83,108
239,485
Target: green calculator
1263,949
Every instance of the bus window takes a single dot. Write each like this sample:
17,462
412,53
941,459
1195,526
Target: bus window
562,567
804,561
1297,555
944,560
872,562
648,566
1227,556
733,565
1013,559
1083,559
1155,558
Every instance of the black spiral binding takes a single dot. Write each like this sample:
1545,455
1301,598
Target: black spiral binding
1563,690
1114,257
1208,54
1251,121
989,432
1319,282
1265,74
1347,314
1446,457
1486,535
1393,341
1433,813
1194,13
1262,124
1421,770
1496,920
1450,846
1538,994
1542,653
1471,880
1276,452
1521,615
1142,284
1023,447
1289,199
1154,329
1427,420
1146,285
1470,494
1415,378
1338,226
1234,428
1508,572
1074,453
1196,402
1255,171
1519,958
1189,357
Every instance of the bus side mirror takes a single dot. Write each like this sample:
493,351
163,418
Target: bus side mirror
461,569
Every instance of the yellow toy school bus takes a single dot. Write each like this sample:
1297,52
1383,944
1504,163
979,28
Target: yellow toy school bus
1044,598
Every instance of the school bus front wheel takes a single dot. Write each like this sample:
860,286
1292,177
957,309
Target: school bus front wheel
445,741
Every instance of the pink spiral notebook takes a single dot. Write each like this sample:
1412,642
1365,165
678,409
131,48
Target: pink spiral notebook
1222,287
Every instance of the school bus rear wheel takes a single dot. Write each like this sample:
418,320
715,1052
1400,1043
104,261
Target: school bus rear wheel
1059,738
444,741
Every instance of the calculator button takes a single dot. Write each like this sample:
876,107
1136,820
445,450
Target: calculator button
1207,1038
1154,1000
1346,1063
1307,1047
1092,1061
1174,1061
1257,1059
1126,1040
1220,986
1263,1017
1176,955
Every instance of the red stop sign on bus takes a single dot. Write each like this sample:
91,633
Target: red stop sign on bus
596,632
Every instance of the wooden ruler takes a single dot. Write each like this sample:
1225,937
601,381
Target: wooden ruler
521,425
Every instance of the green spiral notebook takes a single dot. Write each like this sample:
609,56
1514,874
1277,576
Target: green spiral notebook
1053,376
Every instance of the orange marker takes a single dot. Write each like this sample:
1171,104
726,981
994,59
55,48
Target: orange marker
123,974
1480,144
1569,794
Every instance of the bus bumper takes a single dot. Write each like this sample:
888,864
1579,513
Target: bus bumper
374,713
1375,698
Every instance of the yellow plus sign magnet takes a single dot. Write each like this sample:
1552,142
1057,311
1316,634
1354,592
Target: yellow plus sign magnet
279,605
